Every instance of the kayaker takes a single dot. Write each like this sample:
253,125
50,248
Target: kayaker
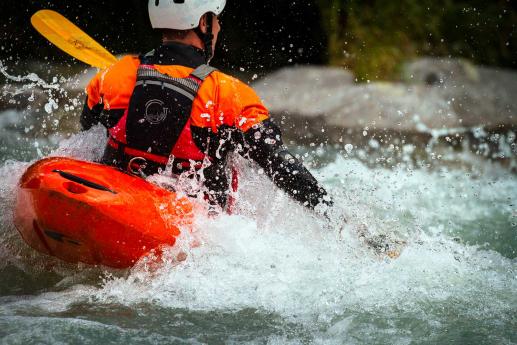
170,106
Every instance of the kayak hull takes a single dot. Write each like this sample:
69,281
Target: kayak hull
86,212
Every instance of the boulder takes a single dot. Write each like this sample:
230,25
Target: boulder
435,94
439,71
304,90
329,97
479,96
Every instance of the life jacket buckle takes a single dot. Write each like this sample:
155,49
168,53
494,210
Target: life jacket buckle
136,166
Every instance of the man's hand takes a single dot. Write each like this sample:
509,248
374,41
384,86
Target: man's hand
334,216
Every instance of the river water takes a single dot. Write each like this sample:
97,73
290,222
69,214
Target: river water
276,274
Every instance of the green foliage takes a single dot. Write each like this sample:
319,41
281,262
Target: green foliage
374,37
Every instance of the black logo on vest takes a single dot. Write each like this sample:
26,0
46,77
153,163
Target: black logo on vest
155,112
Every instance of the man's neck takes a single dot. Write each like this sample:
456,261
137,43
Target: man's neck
190,40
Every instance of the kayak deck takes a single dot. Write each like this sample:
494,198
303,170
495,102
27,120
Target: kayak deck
86,212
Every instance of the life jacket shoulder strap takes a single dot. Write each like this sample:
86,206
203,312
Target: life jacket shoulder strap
202,72
147,75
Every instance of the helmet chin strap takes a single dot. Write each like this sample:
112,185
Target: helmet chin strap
208,37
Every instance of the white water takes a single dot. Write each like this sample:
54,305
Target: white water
278,259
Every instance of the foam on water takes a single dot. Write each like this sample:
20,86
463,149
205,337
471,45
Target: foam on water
276,258
288,262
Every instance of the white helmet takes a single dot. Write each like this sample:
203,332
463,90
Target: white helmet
181,14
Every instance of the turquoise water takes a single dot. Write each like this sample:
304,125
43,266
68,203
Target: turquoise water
274,273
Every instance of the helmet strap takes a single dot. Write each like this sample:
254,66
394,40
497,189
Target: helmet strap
208,37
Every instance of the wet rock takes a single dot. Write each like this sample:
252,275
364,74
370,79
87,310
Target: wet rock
440,107
480,96
393,106
314,107
304,90
436,95
440,71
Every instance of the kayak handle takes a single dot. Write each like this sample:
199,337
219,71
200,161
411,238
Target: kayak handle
83,181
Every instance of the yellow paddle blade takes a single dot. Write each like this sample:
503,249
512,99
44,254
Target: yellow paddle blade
72,40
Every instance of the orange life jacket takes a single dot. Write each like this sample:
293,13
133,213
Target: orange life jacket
156,125
216,100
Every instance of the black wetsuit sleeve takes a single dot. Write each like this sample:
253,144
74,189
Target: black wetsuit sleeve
90,117
265,146
96,115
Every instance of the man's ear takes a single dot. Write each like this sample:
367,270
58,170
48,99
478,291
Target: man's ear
202,23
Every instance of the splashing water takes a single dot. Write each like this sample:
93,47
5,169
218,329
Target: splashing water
277,274
39,113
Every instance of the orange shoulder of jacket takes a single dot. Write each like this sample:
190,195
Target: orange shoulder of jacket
225,100
113,86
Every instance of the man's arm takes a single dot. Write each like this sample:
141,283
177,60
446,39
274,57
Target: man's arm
90,116
97,114
108,94
93,105
265,146
240,122
261,141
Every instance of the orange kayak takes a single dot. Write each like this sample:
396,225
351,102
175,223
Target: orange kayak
85,212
